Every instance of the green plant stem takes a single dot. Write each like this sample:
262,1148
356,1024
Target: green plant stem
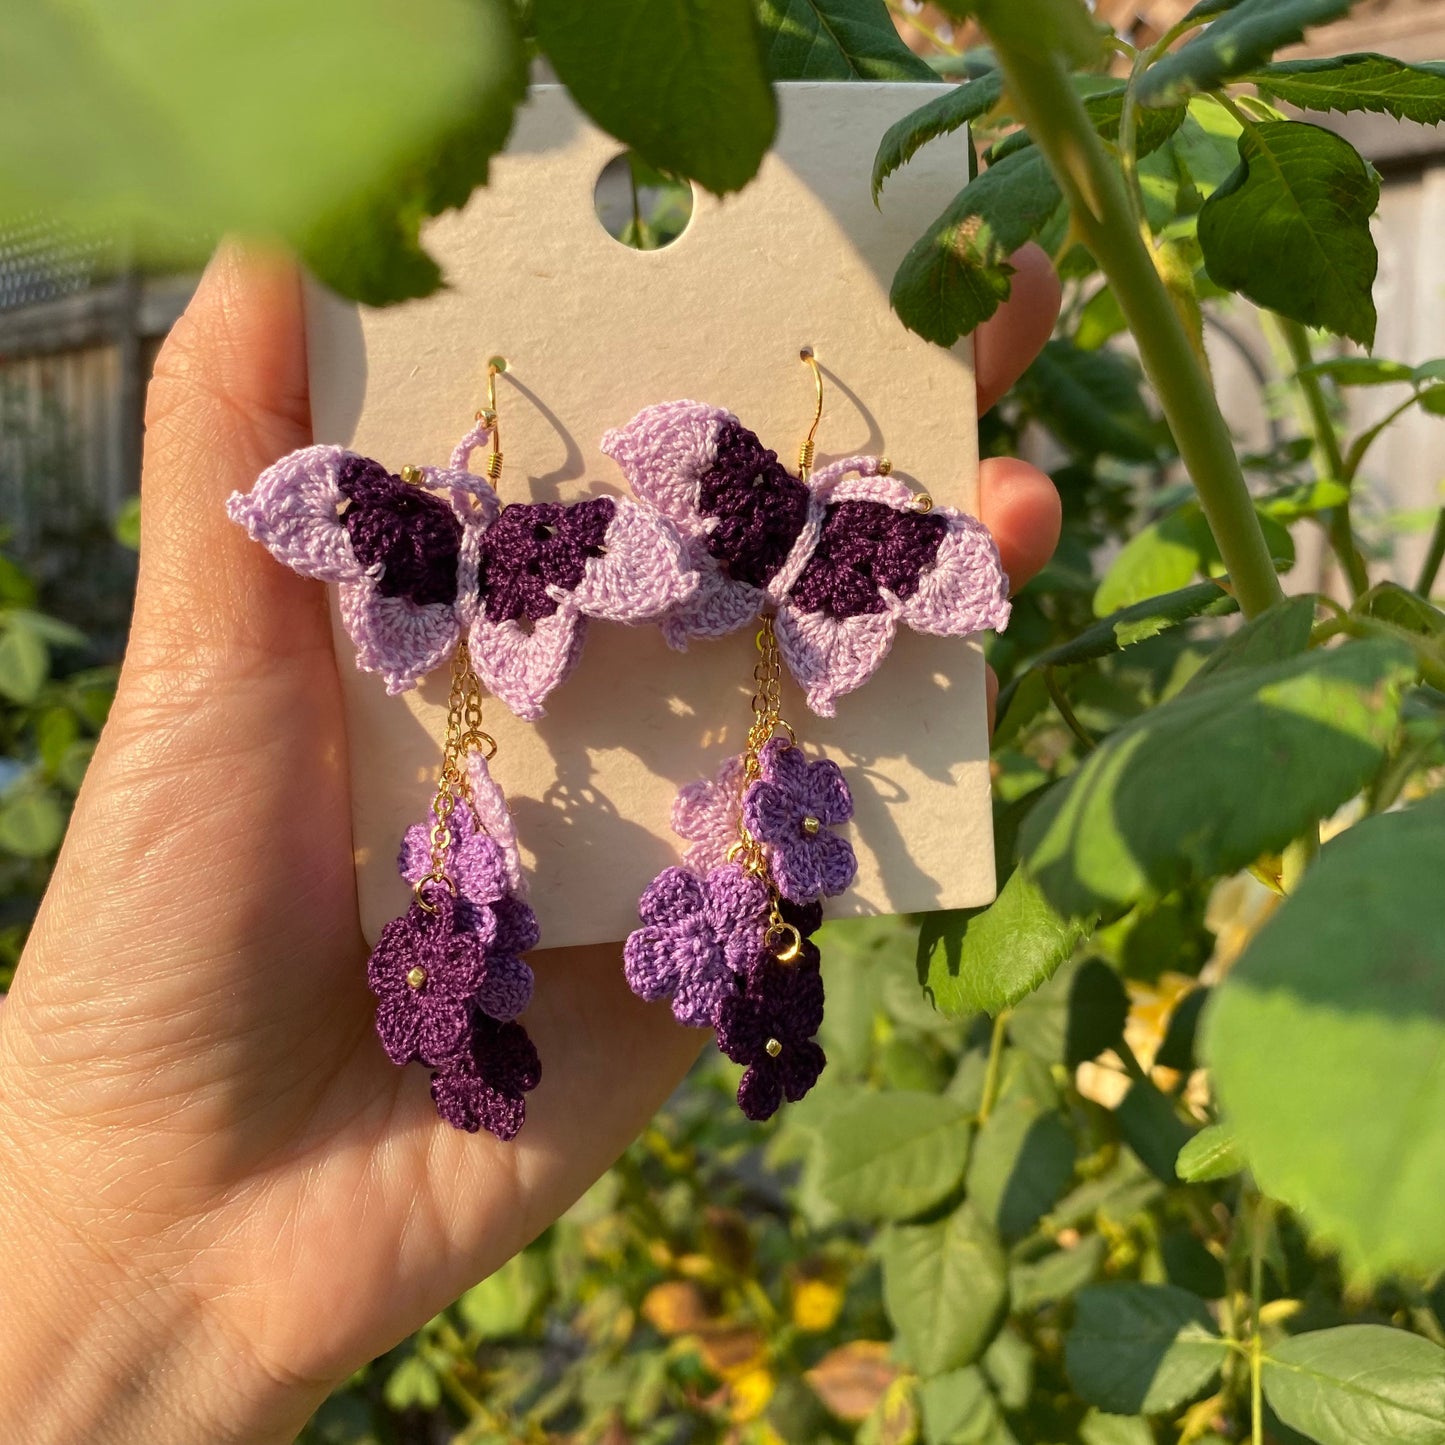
1061,704
1329,460
993,1071
1051,109
1258,1224
1434,555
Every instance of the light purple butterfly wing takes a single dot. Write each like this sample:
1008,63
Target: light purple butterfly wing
642,570
520,662
293,511
829,656
664,452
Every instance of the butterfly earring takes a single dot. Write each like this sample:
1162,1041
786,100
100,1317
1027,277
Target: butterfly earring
826,564
431,565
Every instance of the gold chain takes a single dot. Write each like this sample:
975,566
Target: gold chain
768,722
463,735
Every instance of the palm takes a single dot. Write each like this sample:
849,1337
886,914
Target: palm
190,1033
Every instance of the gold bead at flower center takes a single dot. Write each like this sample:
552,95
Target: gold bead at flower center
773,1047
415,977
811,826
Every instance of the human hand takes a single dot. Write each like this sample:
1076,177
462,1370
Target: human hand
220,1197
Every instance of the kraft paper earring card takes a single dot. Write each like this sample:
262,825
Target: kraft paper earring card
593,333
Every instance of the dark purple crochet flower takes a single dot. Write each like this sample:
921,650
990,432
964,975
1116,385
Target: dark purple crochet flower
807,918
426,971
412,536
865,546
698,935
486,1087
791,810
760,508
477,864
534,546
769,1026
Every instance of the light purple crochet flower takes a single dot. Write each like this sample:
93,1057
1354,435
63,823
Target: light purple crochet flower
698,935
473,861
486,1087
476,863
422,564
708,814
769,1026
791,810
842,559
426,973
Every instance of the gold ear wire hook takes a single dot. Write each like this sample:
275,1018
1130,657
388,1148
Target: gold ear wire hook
805,452
495,366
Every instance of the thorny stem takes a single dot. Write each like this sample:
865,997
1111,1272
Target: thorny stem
1329,460
1051,109
993,1072
1434,555
1061,703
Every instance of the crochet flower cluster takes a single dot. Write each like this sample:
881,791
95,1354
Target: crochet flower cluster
707,940
450,979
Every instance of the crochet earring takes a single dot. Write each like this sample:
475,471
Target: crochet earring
827,564
431,565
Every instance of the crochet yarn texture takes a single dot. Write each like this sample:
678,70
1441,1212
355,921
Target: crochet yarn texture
422,564
859,562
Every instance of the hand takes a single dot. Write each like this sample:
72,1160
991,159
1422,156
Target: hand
220,1198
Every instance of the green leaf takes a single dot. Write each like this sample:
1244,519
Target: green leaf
1327,1042
1212,779
49,629
986,959
56,729
957,273
24,663
1392,603
1159,559
1359,370
127,524
1140,621
1307,499
183,121
892,1155
1022,1161
836,40
413,1385
32,823
1432,400
945,1288
1152,1129
1093,401
503,1304
1213,1153
1304,193
1056,1276
1357,1383
1408,91
1246,35
1139,1349
1073,1017
959,107
1276,635
1177,1050
1099,1428
959,1409
683,82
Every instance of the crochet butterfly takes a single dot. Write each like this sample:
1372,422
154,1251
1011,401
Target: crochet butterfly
423,563
841,558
